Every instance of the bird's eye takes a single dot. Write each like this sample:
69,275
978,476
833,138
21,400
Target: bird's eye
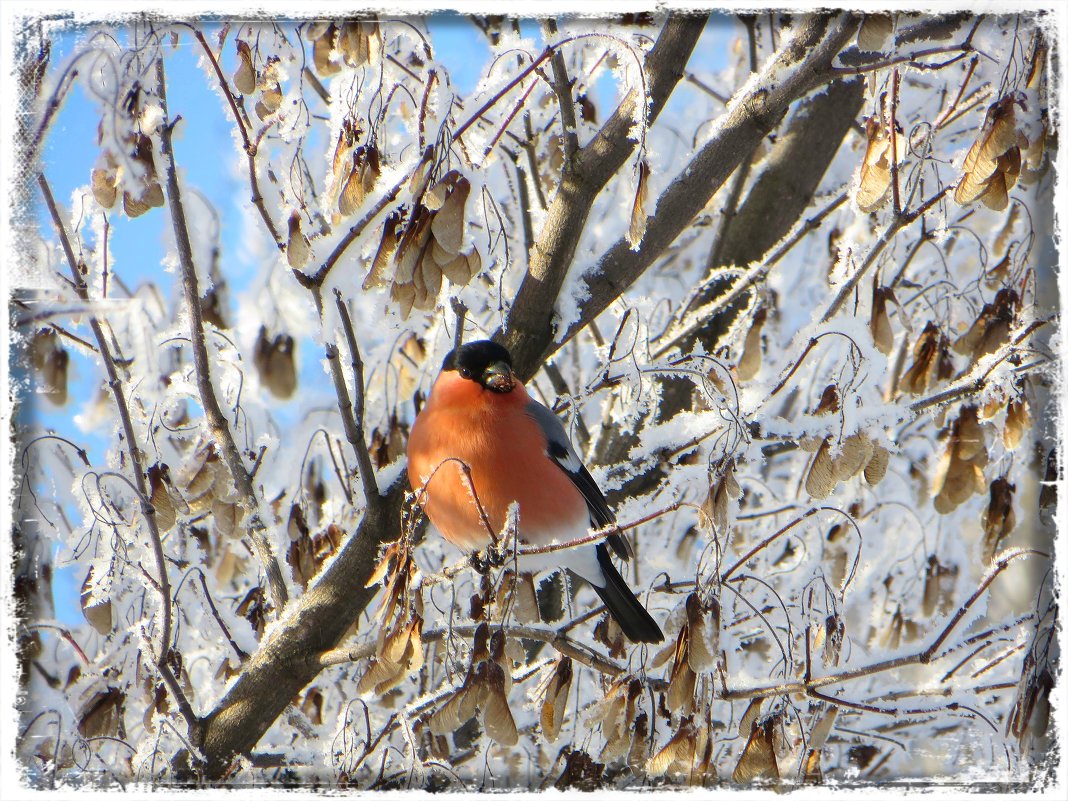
465,372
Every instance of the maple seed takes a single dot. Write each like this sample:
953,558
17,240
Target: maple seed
245,76
993,162
638,216
298,249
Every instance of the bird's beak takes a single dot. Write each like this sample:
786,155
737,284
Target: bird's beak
499,377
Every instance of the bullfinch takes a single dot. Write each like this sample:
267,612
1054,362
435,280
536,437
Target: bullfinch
515,450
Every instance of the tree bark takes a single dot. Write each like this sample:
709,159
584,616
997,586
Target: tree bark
803,64
287,661
530,320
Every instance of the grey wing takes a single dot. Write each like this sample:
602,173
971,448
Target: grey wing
563,453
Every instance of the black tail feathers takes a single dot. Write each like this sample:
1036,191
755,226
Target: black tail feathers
627,610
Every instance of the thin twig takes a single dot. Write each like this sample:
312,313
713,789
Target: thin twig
251,148
895,88
923,657
352,417
561,642
562,87
358,228
698,317
147,509
213,414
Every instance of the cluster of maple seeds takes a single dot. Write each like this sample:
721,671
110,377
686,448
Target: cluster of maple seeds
484,690
857,452
352,43
428,245
140,121
1000,155
248,80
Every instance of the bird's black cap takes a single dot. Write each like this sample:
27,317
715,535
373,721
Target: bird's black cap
477,356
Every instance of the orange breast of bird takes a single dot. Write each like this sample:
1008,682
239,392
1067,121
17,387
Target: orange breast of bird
505,452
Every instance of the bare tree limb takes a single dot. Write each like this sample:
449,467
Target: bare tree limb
529,327
926,656
352,414
286,660
803,64
217,424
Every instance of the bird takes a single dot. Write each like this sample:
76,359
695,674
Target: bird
480,444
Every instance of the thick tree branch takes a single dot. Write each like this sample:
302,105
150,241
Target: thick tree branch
803,64
216,420
288,659
529,327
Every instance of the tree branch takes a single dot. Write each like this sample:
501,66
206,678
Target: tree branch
216,420
927,655
148,511
250,147
529,327
803,64
352,414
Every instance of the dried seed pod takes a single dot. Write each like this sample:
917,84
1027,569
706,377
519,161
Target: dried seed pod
683,681
347,137
991,328
51,360
638,216
387,245
993,162
496,715
298,248
555,700
323,49
105,186
881,332
411,245
404,296
245,76
96,607
749,362
463,268
417,184
853,457
677,755
999,518
360,42
960,473
160,498
699,656
830,401
874,185
448,222
938,587
275,361
758,759
270,101
874,30
821,479
1017,422
930,361
102,714
875,469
